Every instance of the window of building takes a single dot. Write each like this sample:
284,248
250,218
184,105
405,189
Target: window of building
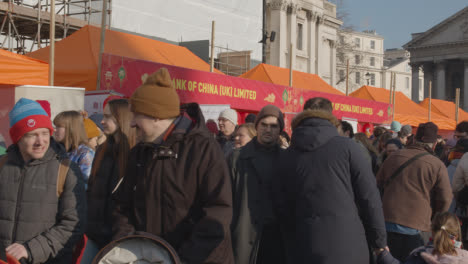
357,59
357,42
342,40
299,36
372,61
372,44
342,74
358,78
372,79
407,83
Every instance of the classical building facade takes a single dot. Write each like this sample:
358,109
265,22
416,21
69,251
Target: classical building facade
365,53
442,53
311,27
397,61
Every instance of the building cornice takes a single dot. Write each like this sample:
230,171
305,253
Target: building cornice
442,25
463,43
278,5
362,34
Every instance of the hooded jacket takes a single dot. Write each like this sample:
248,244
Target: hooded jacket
327,197
30,211
179,190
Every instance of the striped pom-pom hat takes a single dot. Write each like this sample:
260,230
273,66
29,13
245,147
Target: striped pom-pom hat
27,115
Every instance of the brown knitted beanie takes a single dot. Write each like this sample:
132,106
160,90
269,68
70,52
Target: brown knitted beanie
156,97
270,110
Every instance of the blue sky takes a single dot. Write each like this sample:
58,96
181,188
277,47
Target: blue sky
395,20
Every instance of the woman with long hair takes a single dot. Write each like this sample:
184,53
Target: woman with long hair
71,133
109,167
445,245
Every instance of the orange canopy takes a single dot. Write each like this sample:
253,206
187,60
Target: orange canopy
276,75
77,56
407,112
445,108
20,70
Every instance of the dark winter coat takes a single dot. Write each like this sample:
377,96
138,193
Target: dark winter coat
226,143
99,193
179,190
252,168
327,196
30,211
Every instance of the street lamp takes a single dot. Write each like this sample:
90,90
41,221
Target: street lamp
368,76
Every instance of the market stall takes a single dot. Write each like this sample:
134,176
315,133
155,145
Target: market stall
22,76
124,75
444,108
406,111
77,56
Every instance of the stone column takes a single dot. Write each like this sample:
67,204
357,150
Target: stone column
278,24
415,82
292,16
428,68
311,20
465,87
318,43
332,62
440,73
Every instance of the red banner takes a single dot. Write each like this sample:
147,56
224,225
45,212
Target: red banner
124,75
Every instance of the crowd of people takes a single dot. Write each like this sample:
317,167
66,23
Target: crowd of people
224,192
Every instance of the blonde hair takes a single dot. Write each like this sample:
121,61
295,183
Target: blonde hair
445,229
250,127
75,133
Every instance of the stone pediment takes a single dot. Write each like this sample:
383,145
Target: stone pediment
452,30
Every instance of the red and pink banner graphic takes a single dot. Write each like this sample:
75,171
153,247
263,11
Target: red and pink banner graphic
124,75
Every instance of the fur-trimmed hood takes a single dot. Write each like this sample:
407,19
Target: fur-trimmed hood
313,129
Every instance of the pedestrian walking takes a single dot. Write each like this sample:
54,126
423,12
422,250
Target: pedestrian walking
71,133
177,183
326,195
42,196
255,229
415,186
244,134
445,246
109,168
227,130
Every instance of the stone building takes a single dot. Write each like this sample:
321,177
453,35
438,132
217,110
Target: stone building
397,61
365,52
442,53
311,27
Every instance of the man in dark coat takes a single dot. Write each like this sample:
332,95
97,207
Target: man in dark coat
412,196
326,195
177,185
41,218
255,233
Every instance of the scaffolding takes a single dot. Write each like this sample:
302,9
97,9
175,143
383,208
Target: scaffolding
232,62
25,24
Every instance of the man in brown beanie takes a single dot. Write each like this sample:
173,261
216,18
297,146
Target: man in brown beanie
255,235
177,185
415,186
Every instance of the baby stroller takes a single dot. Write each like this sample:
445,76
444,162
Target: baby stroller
141,248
